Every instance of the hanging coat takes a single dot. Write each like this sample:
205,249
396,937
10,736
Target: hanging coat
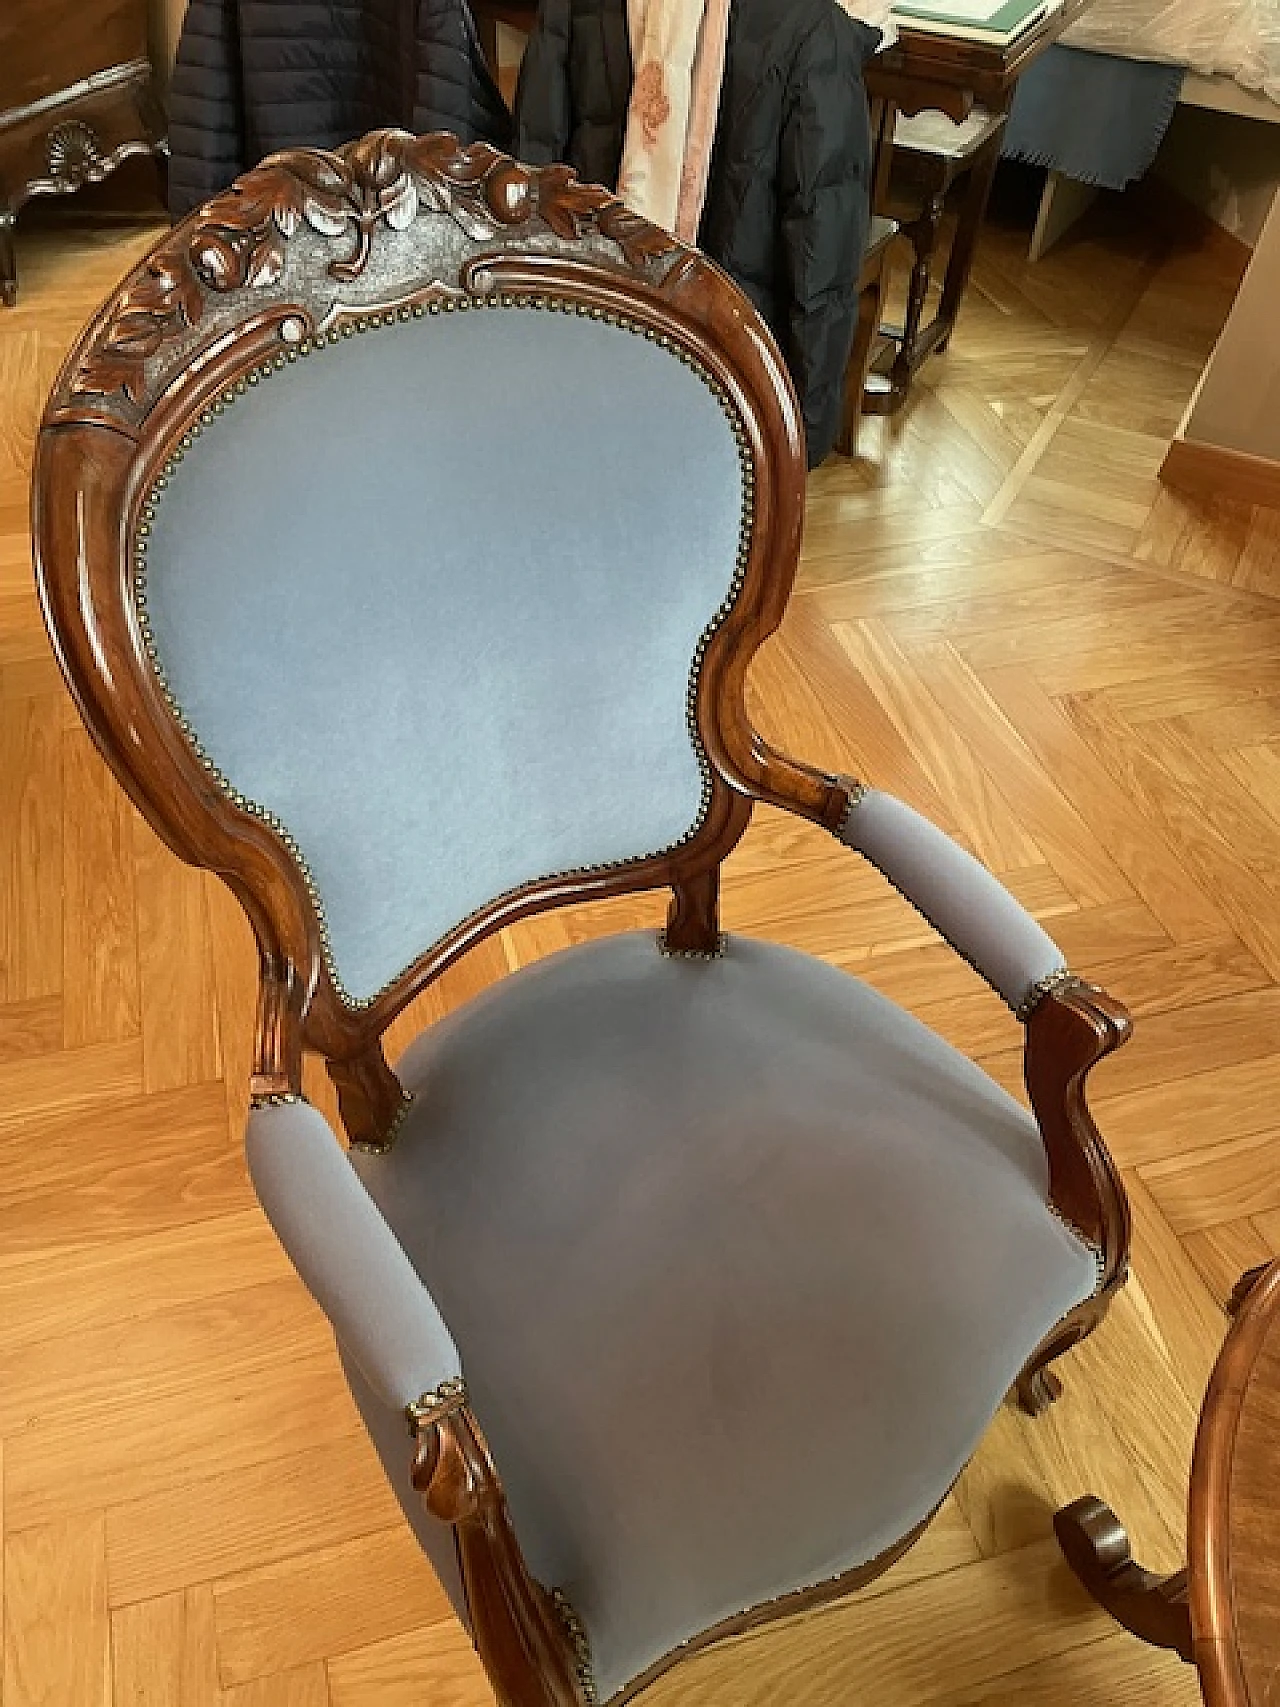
254,76
788,196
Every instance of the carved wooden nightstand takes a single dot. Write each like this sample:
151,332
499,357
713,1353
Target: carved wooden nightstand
76,100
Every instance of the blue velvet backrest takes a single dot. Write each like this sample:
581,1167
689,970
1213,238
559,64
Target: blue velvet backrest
431,597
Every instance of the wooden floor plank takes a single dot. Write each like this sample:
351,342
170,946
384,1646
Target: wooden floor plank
133,1278
179,1027
1118,1670
193,1348
99,941
1107,806
32,1027
390,1673
1075,851
30,847
302,1686
1221,1182
318,1498
990,828
57,1635
155,1444
299,1610
915,1643
154,1163
163,1653
1210,1108
1234,887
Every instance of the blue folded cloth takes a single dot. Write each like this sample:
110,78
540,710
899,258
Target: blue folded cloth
1092,116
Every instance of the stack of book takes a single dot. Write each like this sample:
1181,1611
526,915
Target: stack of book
996,22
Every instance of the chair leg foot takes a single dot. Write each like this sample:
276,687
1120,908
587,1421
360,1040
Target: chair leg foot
1096,1547
1037,1387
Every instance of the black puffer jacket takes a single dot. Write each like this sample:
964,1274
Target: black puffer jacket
253,76
789,192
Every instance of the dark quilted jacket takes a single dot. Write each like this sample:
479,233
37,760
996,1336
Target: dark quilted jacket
253,76
788,197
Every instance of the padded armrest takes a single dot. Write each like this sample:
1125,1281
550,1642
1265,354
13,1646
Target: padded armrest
958,895
351,1261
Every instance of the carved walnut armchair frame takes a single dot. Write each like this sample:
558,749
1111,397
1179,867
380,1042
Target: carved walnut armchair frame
204,317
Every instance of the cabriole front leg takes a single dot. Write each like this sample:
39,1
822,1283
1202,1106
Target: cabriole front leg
1071,1029
523,1641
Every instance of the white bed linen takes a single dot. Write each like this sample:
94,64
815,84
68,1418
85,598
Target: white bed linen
1236,38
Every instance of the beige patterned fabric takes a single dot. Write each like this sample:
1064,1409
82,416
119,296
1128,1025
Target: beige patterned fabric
708,75
677,55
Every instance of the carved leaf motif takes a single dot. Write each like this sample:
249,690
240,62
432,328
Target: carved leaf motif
266,263
240,238
164,301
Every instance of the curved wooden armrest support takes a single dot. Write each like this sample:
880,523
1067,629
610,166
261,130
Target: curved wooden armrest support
777,779
517,1629
1069,1031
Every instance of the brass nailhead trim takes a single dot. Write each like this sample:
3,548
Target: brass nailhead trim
716,953
579,1642
381,1146
433,1407
1059,979
370,322
857,792
276,1099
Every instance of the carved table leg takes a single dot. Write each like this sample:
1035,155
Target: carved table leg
972,213
1097,1549
8,258
923,233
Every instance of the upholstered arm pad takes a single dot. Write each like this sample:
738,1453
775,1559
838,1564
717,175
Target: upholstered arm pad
960,898
351,1261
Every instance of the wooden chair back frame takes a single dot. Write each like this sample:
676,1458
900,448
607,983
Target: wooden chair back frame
110,431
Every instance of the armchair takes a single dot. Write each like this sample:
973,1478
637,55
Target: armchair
406,525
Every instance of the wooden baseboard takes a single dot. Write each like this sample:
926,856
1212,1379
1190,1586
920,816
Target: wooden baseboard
1210,471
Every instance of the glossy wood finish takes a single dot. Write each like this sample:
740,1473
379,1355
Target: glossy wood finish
236,1545
107,435
1223,1612
1068,1034
1234,1523
1097,1549
77,101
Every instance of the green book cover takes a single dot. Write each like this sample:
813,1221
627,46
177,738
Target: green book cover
1001,20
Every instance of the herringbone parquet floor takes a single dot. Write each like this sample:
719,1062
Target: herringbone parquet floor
1001,617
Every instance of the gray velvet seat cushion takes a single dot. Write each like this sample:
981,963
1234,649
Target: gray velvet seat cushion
740,1260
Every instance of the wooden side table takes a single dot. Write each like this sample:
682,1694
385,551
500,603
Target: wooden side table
930,153
75,102
1223,1611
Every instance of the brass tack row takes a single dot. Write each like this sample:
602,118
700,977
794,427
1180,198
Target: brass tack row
300,349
